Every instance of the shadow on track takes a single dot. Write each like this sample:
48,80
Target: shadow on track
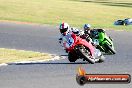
48,63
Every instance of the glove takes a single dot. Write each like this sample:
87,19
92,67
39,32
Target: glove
60,40
66,50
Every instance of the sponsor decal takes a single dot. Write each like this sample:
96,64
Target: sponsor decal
83,78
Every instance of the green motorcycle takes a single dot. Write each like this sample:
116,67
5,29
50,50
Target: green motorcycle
103,42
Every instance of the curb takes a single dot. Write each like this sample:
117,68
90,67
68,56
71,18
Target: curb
3,64
32,62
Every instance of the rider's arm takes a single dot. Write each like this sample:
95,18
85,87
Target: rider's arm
75,31
73,36
61,40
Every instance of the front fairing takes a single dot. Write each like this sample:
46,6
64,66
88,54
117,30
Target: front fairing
86,44
68,42
103,38
107,40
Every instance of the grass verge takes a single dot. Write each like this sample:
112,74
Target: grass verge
98,13
12,55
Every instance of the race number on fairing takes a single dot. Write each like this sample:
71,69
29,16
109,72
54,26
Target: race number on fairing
68,41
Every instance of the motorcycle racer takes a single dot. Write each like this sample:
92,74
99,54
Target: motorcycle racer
86,34
100,39
66,31
92,32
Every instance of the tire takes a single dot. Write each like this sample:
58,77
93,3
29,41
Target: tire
101,59
100,48
85,55
110,49
72,57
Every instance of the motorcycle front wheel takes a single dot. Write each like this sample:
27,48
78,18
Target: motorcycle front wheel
72,57
110,48
85,53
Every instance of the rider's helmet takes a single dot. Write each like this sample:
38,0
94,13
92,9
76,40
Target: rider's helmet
86,28
64,28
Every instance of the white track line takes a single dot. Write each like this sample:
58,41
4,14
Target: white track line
3,64
33,62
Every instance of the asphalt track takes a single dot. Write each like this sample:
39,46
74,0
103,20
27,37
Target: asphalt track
61,73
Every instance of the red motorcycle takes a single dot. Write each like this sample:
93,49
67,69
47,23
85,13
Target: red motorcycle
79,48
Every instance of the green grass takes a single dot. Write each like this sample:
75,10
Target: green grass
98,13
12,55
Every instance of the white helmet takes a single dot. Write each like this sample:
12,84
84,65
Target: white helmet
64,27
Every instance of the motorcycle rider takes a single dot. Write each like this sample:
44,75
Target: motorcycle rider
66,30
93,33
96,35
87,28
86,34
